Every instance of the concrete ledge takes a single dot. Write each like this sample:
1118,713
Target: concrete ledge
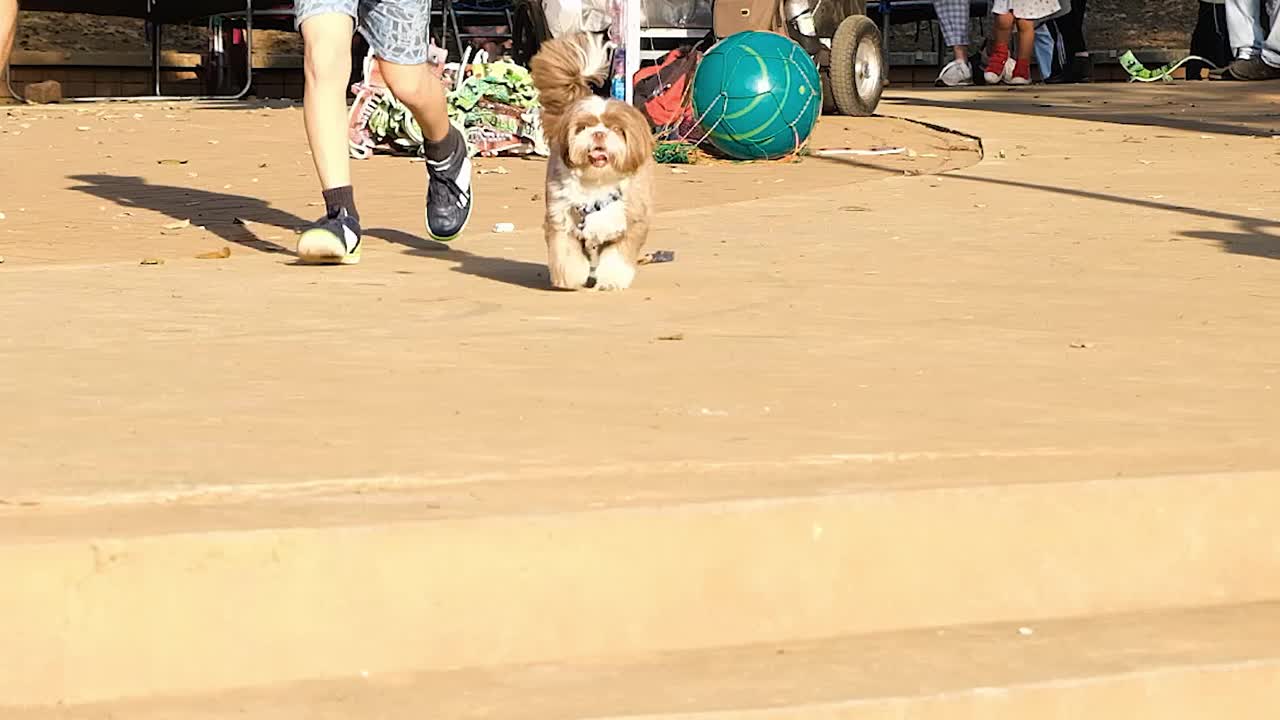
1201,664
102,617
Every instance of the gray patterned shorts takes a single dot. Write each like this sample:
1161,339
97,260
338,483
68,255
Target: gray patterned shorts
395,29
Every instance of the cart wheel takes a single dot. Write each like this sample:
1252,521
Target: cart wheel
528,32
857,66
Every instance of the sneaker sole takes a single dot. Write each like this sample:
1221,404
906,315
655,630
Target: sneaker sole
450,238
323,250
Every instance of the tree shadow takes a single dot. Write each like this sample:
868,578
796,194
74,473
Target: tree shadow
1252,238
233,219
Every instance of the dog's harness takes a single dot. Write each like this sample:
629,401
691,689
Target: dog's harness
585,211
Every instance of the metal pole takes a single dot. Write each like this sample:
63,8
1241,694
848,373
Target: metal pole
248,48
156,39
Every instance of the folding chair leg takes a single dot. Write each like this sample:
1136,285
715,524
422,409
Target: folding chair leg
248,49
8,81
156,38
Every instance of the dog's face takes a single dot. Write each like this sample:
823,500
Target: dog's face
605,137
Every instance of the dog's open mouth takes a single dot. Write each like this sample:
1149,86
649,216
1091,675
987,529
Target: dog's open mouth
598,157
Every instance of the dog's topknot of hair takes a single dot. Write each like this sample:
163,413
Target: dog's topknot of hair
565,68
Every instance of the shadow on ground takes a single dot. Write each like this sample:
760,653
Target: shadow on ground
234,217
1195,106
1253,235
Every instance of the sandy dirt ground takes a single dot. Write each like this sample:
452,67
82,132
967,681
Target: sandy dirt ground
1098,296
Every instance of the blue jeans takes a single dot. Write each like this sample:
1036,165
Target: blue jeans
1244,27
1046,48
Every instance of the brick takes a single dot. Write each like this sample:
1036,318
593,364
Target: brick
49,91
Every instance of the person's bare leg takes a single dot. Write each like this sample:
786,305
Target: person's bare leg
420,90
1026,51
448,164
961,53
1003,30
327,66
1026,39
335,239
8,28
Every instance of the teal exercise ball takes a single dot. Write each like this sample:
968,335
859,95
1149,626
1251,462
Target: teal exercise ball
757,95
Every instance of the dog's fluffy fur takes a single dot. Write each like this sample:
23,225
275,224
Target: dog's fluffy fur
601,173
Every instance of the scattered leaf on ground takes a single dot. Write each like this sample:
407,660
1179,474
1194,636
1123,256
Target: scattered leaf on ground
674,336
171,161
1081,346
178,225
152,261
222,254
658,256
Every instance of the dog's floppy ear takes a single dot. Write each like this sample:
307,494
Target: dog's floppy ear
633,126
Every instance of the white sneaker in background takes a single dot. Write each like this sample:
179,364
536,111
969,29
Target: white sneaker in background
956,73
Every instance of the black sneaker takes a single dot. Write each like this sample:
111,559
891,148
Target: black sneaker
332,240
449,195
1079,70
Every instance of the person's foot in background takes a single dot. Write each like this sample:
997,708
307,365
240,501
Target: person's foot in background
1071,28
957,73
1079,69
1254,68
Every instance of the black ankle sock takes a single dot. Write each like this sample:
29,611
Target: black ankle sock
341,198
444,149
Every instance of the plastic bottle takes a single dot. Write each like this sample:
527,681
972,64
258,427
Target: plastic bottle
617,35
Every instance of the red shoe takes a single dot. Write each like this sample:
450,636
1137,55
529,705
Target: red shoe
1021,73
998,66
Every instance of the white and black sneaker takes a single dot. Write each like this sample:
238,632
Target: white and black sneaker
957,73
449,194
332,240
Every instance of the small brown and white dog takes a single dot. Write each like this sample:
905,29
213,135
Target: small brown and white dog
601,172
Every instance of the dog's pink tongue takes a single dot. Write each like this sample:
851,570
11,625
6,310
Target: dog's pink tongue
598,158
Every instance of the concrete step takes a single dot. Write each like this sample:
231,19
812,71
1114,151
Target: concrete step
1201,664
118,602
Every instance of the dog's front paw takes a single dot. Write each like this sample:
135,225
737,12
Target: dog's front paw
614,272
568,266
571,273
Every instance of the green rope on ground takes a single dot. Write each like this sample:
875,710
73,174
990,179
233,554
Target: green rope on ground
1139,72
675,153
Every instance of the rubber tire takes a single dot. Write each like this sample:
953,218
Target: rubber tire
852,34
529,31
